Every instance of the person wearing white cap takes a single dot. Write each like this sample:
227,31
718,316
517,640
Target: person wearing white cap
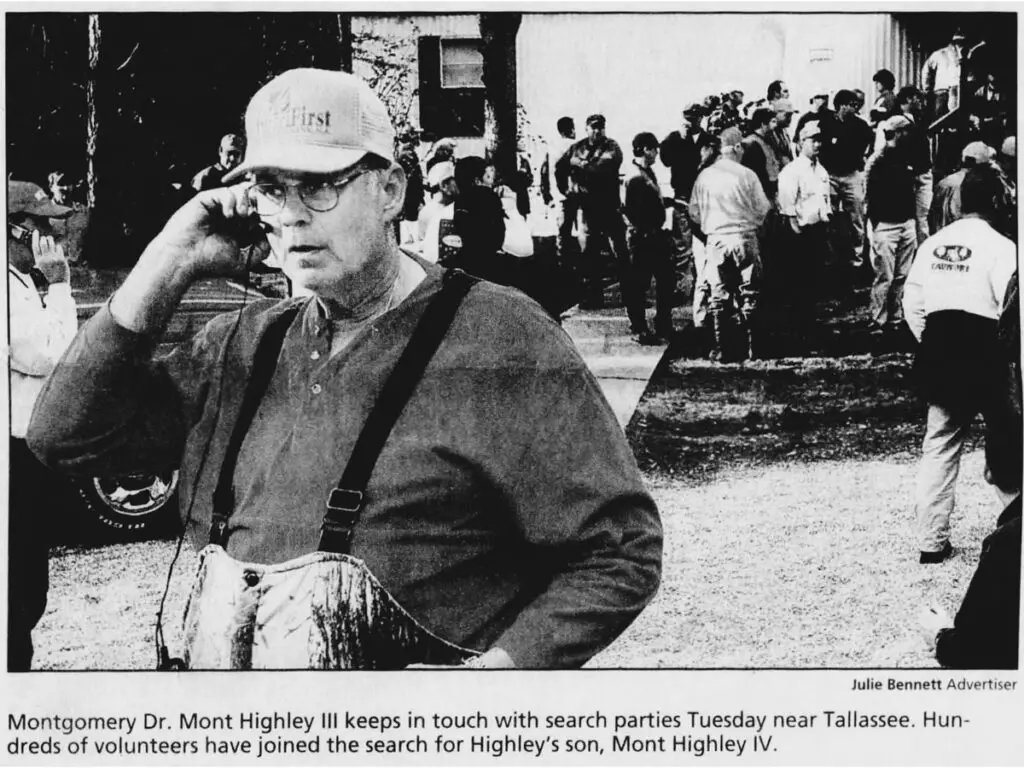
945,208
437,210
488,488
41,327
805,199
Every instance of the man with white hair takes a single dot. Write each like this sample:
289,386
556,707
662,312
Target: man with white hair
495,496
727,206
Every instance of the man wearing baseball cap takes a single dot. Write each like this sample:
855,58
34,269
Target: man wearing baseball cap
504,510
594,164
680,153
41,327
945,208
805,201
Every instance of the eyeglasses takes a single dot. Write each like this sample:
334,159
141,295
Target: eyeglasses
320,196
19,233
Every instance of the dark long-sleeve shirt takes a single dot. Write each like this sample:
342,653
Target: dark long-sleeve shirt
680,154
890,188
505,509
845,144
986,630
594,172
644,207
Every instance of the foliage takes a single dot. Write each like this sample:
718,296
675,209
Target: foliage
388,65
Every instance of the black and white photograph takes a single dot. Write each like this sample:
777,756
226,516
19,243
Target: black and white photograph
513,339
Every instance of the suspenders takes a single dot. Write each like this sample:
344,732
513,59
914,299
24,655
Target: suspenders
345,502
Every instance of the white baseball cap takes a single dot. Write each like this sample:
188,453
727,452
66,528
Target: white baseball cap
441,173
314,121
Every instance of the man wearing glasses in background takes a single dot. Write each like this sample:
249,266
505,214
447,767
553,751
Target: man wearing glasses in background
505,511
42,325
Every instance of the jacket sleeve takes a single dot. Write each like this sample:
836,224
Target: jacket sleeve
109,408
595,530
986,630
913,296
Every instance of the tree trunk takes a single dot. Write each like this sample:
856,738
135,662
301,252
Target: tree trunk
92,128
345,32
501,131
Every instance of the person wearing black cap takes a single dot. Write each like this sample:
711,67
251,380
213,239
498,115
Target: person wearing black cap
594,165
40,330
680,153
819,111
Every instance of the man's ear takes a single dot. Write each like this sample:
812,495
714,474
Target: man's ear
393,183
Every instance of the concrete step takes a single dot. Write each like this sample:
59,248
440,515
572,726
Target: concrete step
621,365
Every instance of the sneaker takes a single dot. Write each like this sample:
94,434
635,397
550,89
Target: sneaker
937,557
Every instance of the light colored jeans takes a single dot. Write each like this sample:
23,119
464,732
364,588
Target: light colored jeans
733,271
848,198
923,200
892,252
701,287
935,495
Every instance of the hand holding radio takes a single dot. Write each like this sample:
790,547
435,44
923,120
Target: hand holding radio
49,258
216,233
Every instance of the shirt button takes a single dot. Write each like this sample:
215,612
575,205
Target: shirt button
315,355
316,389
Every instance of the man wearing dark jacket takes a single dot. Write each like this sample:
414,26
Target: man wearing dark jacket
680,153
594,165
953,300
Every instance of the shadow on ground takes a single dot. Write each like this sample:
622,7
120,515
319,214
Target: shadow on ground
698,418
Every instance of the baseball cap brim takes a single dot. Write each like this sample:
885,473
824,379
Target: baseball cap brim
299,159
47,209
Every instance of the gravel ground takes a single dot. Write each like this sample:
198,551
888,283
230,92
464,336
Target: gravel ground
786,566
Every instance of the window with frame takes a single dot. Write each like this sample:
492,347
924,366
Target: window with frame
462,63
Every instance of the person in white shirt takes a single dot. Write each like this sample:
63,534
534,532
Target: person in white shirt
805,200
941,76
727,206
437,210
41,328
952,302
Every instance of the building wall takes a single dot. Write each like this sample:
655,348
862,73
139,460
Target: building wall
641,69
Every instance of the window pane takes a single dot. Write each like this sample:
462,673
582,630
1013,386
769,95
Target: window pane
462,64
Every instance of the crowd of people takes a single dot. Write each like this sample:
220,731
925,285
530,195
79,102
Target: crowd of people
850,200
